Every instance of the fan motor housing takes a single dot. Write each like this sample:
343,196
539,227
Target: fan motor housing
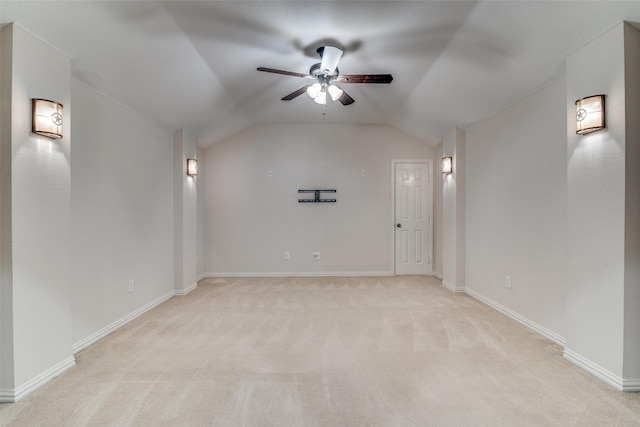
315,71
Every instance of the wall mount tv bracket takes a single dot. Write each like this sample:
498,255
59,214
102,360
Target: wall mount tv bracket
316,198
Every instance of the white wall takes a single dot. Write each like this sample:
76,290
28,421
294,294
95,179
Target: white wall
200,215
121,211
596,206
77,225
603,210
437,211
453,207
253,218
631,367
6,287
516,216
185,194
39,216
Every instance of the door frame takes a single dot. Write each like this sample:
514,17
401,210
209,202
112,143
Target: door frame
392,224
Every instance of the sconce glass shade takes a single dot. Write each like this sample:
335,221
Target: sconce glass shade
46,118
192,167
447,165
590,114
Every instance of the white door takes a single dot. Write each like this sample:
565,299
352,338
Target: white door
413,218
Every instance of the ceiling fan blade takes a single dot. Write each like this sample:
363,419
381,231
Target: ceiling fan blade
286,73
296,94
330,57
345,99
366,78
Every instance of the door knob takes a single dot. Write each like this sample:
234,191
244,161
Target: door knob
398,225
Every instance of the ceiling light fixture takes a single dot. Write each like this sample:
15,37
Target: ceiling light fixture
590,114
46,118
318,92
326,72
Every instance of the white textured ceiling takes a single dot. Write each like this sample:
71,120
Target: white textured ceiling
193,64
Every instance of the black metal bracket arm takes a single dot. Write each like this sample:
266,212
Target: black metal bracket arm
316,198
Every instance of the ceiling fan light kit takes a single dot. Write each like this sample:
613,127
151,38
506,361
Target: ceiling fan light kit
318,92
326,72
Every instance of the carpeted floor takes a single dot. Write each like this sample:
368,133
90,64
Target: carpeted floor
377,351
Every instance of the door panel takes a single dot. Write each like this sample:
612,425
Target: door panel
412,218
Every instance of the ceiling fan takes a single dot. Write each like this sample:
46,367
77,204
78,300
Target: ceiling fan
326,74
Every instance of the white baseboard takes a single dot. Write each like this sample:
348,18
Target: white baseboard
621,384
436,274
185,291
605,375
302,274
452,288
11,396
7,395
86,342
631,385
558,339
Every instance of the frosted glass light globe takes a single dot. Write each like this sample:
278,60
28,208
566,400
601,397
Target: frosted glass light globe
314,90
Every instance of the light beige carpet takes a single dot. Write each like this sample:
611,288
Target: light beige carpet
397,351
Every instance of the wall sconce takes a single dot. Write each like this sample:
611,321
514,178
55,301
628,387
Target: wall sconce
447,165
590,114
46,118
192,167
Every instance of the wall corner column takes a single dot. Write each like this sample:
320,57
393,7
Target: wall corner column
36,333
453,207
603,211
185,192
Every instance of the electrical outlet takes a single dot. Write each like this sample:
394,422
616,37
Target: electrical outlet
316,255
507,282
130,285
287,255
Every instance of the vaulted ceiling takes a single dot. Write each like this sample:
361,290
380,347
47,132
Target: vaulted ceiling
193,64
